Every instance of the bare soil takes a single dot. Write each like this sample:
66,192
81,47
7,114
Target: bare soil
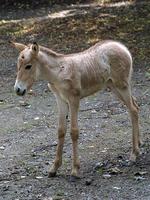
28,134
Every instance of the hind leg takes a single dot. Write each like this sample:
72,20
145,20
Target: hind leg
124,94
137,107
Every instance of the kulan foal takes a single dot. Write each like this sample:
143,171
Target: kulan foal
74,76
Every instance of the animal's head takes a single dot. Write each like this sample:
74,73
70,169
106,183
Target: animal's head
26,67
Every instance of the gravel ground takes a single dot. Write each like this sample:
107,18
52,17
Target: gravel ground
28,134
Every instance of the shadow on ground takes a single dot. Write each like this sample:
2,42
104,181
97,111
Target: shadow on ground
28,126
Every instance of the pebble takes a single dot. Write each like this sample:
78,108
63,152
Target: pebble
36,118
1,101
103,151
39,177
24,103
2,148
98,165
88,181
117,188
54,143
93,111
106,176
47,163
22,177
33,154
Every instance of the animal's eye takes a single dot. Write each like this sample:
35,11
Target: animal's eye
28,66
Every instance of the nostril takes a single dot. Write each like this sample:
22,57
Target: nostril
24,91
18,90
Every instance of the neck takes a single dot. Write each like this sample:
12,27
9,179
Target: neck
48,68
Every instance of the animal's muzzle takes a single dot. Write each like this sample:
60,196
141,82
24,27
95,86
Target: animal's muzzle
20,88
20,92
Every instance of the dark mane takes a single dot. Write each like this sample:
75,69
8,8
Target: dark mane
50,52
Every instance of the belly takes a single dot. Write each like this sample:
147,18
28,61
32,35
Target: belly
87,91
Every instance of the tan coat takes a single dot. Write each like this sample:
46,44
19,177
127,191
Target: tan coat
74,76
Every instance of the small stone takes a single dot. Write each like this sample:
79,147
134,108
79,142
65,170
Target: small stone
88,182
39,177
106,176
54,143
93,111
47,163
29,106
117,188
33,154
36,118
105,150
24,103
98,165
22,177
122,162
2,101
91,146
2,148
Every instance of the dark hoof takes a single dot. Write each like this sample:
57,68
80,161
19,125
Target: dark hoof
74,178
51,174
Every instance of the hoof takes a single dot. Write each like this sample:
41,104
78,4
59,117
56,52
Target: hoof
74,178
134,154
133,157
51,174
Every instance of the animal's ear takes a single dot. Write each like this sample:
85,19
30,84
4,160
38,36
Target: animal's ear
35,48
18,46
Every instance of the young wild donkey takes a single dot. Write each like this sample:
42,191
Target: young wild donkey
74,76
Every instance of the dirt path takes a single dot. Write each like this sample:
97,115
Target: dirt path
28,126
